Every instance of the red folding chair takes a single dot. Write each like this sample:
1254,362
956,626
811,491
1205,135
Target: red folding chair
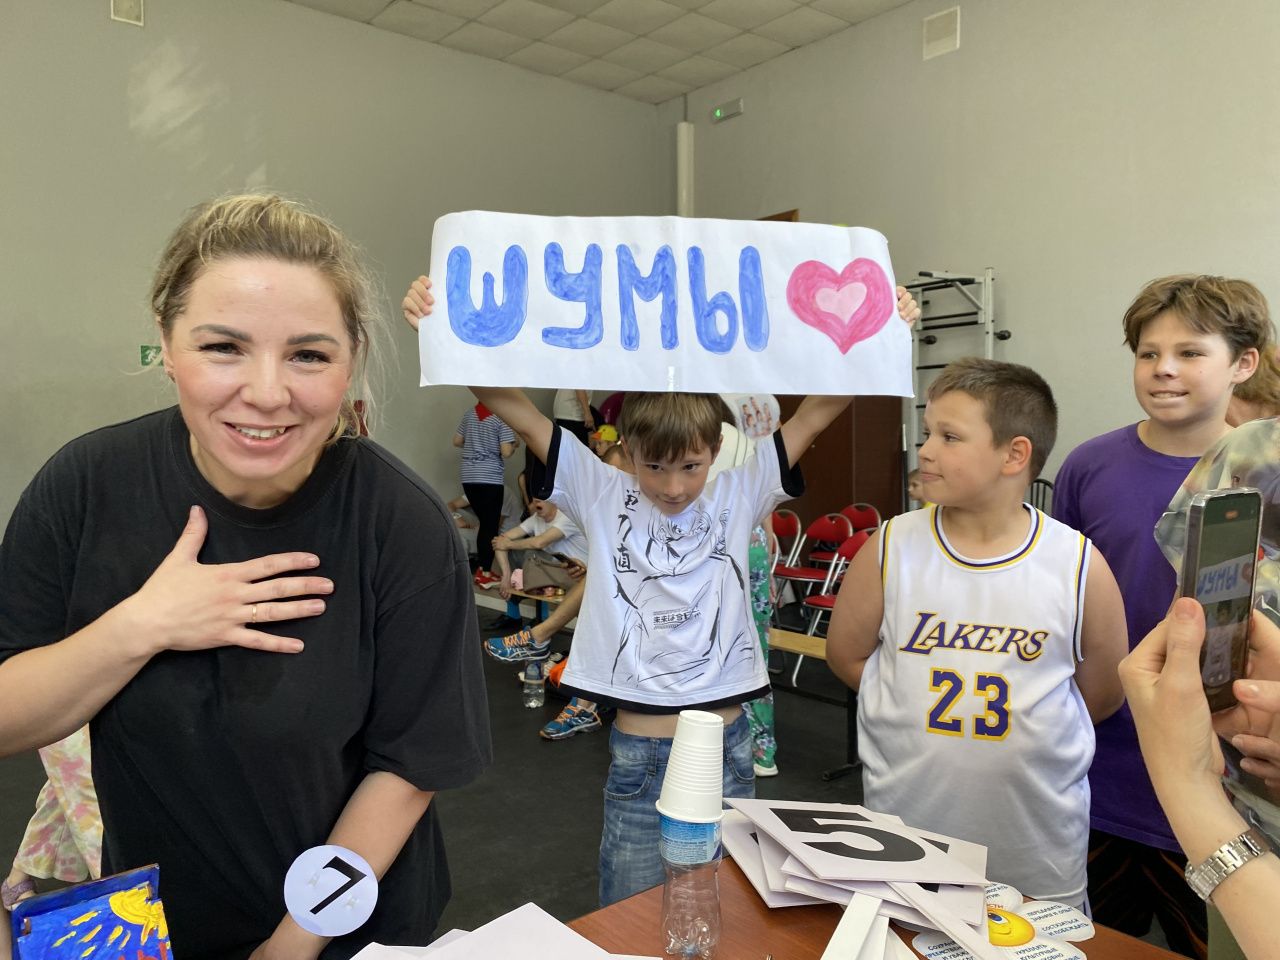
832,528
821,604
863,516
785,526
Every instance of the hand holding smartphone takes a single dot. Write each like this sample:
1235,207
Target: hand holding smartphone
1218,567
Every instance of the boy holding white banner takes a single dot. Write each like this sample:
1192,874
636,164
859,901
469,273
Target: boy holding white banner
983,638
666,621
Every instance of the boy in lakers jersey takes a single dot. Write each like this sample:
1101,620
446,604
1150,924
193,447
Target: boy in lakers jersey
983,638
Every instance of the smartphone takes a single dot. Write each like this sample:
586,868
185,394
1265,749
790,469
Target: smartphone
1223,527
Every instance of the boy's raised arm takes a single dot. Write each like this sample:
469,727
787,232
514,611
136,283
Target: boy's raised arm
509,403
855,622
1104,641
812,417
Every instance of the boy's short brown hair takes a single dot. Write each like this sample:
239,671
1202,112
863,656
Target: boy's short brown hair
666,426
1017,402
1234,309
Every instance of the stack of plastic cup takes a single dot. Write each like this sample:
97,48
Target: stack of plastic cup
689,842
692,790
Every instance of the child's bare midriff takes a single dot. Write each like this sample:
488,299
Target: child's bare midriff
664,724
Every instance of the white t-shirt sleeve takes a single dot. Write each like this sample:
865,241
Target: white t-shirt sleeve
760,482
578,477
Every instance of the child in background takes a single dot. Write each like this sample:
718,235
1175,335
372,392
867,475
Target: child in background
1194,338
666,617
915,491
983,639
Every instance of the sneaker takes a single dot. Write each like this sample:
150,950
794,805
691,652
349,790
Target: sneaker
484,579
765,770
573,720
517,646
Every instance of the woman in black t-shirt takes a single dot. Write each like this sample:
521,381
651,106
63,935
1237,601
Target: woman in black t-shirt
303,666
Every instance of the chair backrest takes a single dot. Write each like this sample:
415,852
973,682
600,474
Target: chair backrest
1040,495
863,516
844,553
785,527
833,528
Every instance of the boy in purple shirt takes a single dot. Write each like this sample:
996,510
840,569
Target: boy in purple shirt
1193,338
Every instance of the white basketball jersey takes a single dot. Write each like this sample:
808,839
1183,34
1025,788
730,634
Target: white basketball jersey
969,719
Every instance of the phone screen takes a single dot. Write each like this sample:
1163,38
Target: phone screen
1225,558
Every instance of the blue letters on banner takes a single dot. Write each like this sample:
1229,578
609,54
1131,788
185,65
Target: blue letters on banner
704,310
582,287
491,325
755,313
661,280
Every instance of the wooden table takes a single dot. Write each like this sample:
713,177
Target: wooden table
749,930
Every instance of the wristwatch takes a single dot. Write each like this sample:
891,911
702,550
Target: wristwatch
1204,877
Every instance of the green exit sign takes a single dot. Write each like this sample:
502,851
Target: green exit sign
149,354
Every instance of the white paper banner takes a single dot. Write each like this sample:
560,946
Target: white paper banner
663,303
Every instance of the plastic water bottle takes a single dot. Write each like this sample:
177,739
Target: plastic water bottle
535,684
691,894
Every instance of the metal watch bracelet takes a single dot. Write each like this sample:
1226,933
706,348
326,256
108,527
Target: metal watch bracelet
1204,877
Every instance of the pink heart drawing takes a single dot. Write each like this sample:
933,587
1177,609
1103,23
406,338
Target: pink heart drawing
848,307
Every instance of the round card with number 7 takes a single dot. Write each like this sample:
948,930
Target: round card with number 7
330,890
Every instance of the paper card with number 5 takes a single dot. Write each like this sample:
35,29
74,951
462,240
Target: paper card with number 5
663,303
847,842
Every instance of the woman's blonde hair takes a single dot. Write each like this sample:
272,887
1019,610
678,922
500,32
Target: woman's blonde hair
270,227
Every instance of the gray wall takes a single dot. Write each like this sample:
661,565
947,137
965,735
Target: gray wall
109,132
1078,148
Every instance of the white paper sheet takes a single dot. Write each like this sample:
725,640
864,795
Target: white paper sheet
527,932
734,306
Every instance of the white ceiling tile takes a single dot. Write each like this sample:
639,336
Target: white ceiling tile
484,41
747,14
652,89
637,16
545,58
694,33
802,26
525,18
597,73
416,21
579,8
698,71
588,37
855,11
362,10
746,50
466,9
645,55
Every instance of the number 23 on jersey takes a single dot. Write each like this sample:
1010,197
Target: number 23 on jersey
946,715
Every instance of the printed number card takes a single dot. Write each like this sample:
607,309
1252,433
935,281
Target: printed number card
663,303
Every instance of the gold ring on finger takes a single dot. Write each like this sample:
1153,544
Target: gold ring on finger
253,613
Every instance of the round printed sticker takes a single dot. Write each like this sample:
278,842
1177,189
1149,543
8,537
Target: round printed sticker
330,890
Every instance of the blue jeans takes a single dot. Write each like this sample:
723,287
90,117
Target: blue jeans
629,860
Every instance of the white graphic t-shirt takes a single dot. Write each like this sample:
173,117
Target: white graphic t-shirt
666,618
